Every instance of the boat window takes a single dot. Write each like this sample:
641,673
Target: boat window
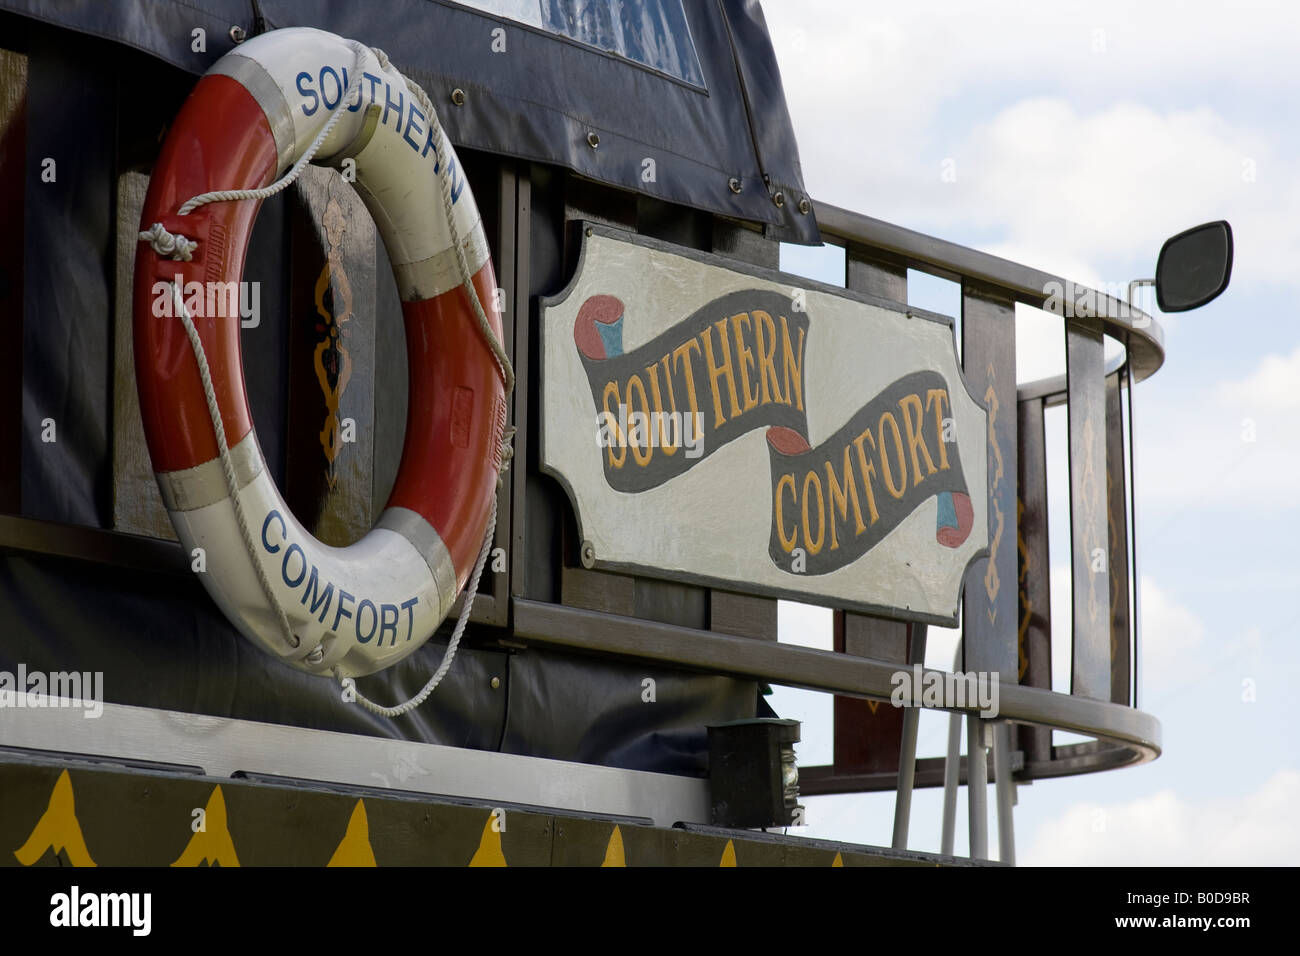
653,33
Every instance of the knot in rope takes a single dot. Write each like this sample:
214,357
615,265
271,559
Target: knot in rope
180,248
169,244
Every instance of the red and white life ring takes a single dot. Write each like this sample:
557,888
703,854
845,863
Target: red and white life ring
351,610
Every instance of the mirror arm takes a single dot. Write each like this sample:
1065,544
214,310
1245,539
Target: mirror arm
1134,284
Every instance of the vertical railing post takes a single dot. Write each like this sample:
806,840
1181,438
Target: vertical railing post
989,610
1084,344
907,746
1034,632
1117,549
868,735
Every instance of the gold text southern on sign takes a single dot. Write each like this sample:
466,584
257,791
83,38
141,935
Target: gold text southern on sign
731,367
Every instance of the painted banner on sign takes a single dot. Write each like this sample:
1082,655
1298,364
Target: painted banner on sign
722,424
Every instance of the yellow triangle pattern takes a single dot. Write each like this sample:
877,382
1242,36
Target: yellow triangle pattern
838,861
213,843
614,852
489,847
57,829
728,855
354,849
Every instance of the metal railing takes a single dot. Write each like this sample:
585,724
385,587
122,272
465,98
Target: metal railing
1105,642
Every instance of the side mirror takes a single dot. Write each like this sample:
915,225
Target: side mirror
1194,267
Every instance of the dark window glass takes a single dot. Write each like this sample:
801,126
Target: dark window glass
653,33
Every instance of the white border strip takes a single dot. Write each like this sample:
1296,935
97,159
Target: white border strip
222,746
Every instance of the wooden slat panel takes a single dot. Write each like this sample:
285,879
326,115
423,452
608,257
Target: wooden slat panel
331,359
1117,529
1088,544
594,202
519,305
743,615
137,504
67,232
868,733
875,273
1136,571
740,242
13,183
989,616
598,591
1034,633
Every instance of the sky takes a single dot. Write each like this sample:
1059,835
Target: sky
1076,138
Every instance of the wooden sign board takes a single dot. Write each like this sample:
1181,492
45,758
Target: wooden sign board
727,425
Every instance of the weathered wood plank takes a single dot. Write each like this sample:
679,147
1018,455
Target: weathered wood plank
989,616
137,504
1117,533
1034,633
868,733
330,439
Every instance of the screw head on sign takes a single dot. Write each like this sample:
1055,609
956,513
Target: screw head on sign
778,199
593,140
588,554
805,206
734,185
496,682
237,34
458,96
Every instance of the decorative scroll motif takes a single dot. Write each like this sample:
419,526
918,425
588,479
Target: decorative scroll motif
991,583
1116,586
1090,505
1026,605
332,359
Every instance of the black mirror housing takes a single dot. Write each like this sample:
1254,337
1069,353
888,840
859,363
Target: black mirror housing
1194,267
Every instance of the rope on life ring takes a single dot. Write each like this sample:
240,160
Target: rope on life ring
177,247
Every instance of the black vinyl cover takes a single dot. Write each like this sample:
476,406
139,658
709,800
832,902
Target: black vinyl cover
542,96
157,637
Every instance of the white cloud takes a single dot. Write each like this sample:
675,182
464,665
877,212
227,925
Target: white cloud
1070,159
1171,635
1164,829
1271,387
1234,445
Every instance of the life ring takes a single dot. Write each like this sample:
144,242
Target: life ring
350,611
